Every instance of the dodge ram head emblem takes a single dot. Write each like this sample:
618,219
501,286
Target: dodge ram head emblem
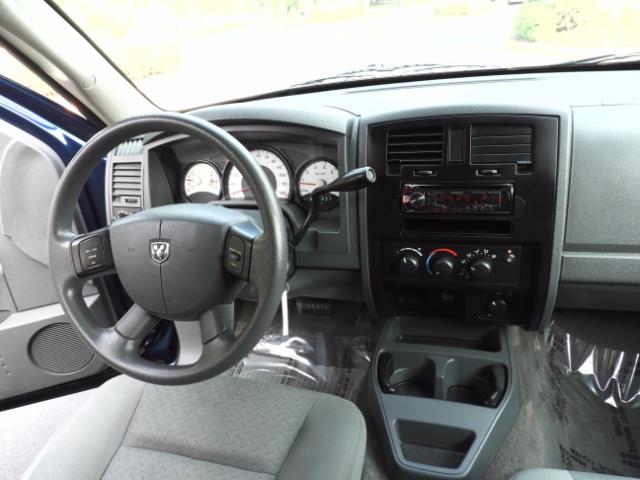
159,251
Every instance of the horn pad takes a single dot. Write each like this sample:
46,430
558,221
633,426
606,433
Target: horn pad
170,259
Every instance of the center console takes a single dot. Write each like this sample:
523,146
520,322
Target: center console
460,222
460,230
444,397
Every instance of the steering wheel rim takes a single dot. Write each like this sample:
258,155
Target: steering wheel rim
268,253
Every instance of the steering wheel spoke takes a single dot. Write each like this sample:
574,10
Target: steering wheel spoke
91,254
196,337
240,246
261,256
136,323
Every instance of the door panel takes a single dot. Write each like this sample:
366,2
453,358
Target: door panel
38,346
39,349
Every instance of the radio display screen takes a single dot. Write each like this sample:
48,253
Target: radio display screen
440,199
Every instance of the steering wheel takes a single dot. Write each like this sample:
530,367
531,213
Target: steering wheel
183,262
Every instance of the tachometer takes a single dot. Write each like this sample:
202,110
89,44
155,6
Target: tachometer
276,170
318,173
202,183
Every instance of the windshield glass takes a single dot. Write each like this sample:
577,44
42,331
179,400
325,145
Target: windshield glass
183,54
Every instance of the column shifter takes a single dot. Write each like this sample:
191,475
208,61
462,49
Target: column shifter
354,180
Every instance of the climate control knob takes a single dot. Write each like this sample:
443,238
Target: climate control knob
442,263
443,266
481,267
408,262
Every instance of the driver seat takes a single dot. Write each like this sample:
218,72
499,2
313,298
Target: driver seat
224,428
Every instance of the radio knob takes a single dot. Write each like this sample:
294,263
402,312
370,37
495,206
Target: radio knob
417,200
481,267
408,263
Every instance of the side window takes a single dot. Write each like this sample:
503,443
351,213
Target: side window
13,69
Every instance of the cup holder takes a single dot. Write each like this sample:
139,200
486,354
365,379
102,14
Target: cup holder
460,380
407,374
467,382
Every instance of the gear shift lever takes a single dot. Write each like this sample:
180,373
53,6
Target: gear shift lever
354,180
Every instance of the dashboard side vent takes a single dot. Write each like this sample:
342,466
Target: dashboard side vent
414,146
126,178
502,144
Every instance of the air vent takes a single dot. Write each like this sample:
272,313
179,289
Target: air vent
126,179
502,144
414,147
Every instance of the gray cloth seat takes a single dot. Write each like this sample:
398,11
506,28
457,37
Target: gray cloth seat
223,429
553,474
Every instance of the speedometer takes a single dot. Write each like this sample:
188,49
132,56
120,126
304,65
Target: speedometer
202,183
315,174
276,170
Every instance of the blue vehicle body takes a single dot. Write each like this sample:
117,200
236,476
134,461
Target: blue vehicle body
63,131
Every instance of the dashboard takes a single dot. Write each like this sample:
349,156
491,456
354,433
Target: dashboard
493,200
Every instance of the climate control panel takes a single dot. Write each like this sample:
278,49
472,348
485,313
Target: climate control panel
457,263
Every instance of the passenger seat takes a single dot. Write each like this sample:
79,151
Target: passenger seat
553,474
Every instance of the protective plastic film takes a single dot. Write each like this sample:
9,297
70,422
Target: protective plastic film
596,401
613,376
324,360
588,398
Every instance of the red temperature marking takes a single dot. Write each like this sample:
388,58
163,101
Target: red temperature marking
445,250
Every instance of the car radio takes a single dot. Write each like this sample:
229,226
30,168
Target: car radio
494,199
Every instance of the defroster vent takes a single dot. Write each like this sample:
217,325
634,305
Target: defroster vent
502,144
415,146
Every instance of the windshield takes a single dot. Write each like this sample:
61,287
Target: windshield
183,54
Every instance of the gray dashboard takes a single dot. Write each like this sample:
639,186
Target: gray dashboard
596,224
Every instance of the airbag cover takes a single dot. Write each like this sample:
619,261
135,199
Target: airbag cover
171,259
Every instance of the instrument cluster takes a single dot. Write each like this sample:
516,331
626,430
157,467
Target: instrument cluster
204,180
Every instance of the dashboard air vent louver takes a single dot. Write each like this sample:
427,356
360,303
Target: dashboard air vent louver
414,146
502,144
126,178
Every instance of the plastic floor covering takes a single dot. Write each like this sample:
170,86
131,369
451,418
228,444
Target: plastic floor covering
580,407
330,355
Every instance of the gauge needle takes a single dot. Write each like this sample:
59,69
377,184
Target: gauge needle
240,191
310,184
